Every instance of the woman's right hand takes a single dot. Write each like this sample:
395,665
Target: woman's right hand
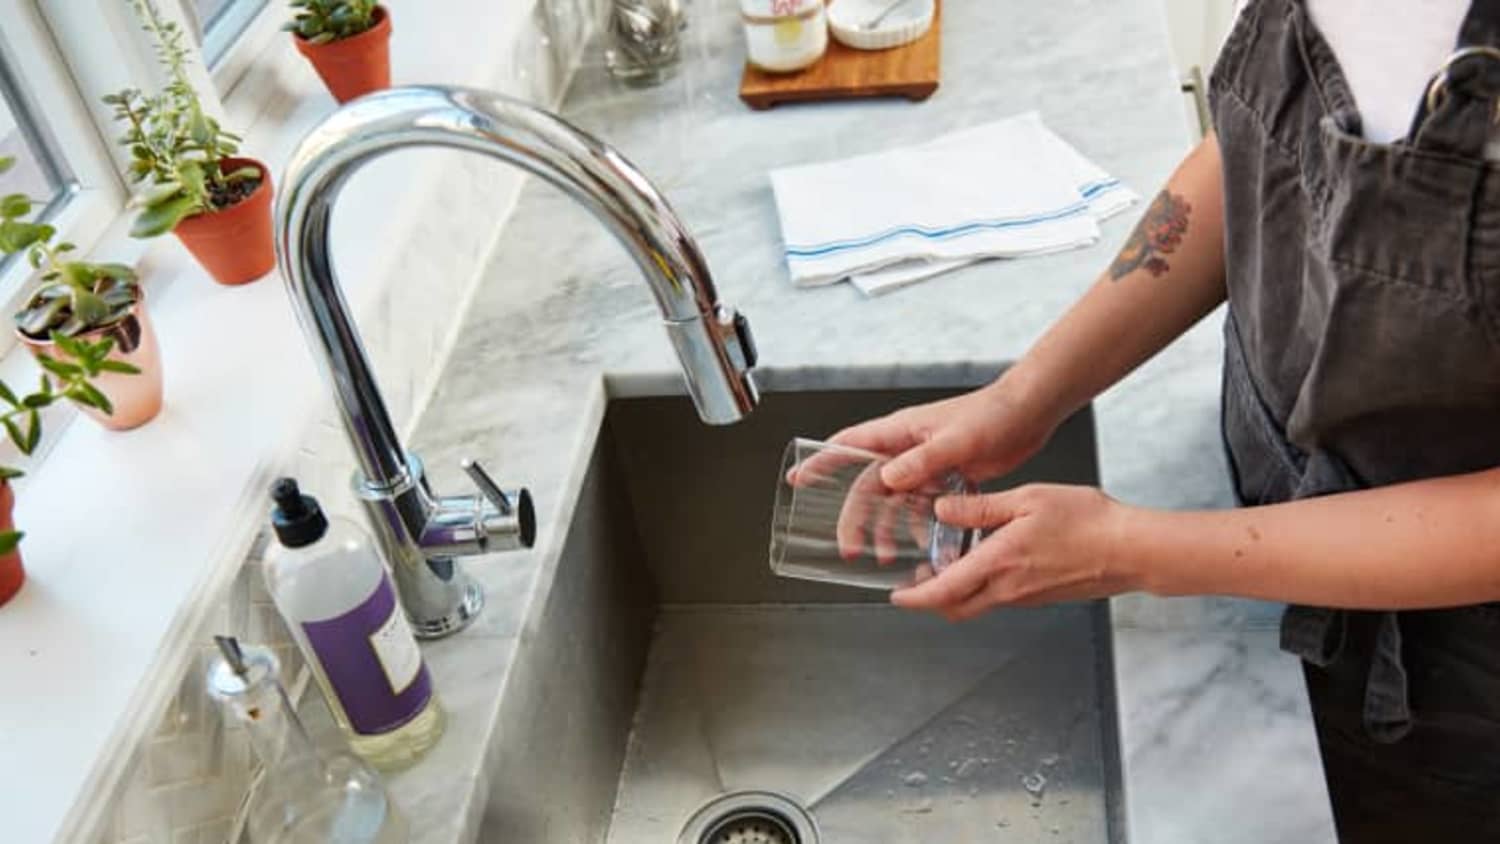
981,435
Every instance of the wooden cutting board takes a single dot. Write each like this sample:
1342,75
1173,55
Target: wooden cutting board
909,71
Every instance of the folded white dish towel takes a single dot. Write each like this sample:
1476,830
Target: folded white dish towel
1003,189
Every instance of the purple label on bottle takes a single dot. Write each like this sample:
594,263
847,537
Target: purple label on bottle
372,662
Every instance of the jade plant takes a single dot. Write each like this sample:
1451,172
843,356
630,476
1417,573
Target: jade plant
177,149
322,21
74,296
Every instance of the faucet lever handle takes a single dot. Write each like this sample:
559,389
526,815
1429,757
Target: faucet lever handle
486,485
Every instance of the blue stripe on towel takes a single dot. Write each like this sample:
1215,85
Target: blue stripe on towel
1093,189
822,249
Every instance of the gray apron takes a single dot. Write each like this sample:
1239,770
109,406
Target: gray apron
1363,349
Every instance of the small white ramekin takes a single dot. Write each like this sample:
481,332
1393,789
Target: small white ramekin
903,25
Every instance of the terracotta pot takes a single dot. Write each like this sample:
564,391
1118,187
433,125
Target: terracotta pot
12,574
234,244
356,65
136,398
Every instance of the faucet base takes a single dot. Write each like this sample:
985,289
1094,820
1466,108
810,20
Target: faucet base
469,604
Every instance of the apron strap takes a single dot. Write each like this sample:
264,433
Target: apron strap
1460,109
1387,710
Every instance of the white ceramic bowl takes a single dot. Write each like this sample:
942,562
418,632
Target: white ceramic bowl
903,25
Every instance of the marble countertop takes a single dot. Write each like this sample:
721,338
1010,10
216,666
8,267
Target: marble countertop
1217,741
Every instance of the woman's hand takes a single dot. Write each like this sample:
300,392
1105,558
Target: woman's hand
981,435
1049,543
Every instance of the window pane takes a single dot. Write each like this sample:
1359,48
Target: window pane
209,11
223,22
32,173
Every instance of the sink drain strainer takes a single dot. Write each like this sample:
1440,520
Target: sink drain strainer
750,817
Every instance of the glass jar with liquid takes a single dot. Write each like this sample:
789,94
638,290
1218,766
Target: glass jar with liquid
303,796
782,36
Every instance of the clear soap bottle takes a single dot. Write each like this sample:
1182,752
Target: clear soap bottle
303,797
330,586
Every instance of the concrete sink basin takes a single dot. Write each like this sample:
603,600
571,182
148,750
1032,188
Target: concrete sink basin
670,668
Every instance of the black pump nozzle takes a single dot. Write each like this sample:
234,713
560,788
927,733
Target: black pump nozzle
297,518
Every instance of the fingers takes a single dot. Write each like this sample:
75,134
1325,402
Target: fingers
860,503
991,510
822,465
949,588
884,533
924,461
973,606
885,435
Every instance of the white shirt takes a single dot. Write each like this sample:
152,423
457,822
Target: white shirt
1389,51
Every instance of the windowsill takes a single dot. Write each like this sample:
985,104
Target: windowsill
132,536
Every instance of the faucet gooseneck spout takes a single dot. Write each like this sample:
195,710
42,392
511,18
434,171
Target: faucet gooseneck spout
422,533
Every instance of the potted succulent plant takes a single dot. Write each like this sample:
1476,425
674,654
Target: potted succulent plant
348,43
77,306
72,378
190,181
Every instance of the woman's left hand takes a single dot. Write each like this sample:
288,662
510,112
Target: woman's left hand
1049,543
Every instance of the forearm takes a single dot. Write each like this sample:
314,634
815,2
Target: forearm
1169,274
1431,543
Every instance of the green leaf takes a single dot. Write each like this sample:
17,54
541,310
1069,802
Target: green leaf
61,369
16,436
70,346
119,366
193,178
158,192
33,430
10,539
16,235
36,320
87,394
37,401
161,217
15,205
77,274
89,307
9,395
118,272
7,162
243,174
10,473
201,130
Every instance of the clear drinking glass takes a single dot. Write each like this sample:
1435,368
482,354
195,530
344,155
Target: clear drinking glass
645,40
835,521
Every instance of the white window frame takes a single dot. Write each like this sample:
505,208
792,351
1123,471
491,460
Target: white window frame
245,30
97,194
107,50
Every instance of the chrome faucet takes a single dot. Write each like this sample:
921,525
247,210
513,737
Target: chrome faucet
422,533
